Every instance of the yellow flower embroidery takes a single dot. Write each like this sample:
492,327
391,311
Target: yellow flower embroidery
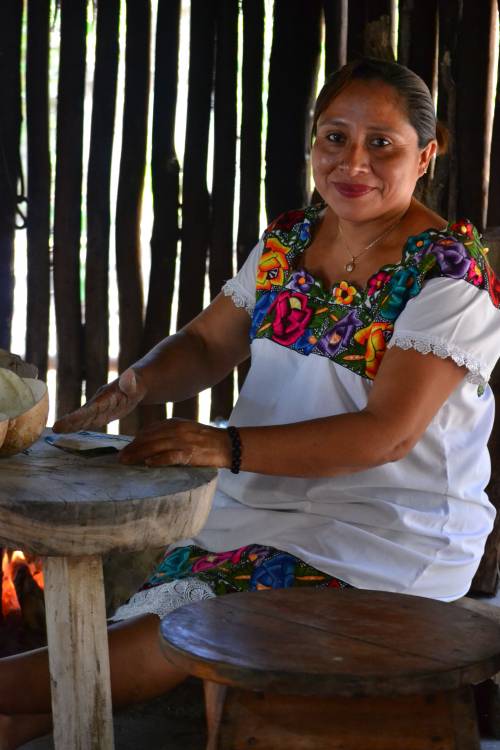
344,294
373,338
272,265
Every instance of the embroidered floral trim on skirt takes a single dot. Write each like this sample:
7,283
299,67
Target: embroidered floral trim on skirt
188,574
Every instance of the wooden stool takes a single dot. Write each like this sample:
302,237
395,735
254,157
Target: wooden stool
311,669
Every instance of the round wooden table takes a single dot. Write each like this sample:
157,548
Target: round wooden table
320,669
70,510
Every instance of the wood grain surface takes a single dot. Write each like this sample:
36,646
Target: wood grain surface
56,503
78,654
325,642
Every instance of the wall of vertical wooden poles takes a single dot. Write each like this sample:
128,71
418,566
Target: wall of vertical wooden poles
450,43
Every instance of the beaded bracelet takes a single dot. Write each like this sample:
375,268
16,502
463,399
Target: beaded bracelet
235,439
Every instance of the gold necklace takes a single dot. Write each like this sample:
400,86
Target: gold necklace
351,265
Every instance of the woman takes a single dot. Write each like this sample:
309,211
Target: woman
358,450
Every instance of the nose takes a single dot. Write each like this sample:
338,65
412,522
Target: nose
355,159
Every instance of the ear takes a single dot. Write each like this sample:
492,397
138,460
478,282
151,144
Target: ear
425,156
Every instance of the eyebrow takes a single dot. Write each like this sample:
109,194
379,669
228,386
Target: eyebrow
379,126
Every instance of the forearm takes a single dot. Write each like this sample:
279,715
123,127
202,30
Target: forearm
179,367
330,446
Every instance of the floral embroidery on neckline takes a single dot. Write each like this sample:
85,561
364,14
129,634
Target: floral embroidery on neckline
414,243
346,323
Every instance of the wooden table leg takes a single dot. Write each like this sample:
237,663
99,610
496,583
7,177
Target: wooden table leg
78,653
270,721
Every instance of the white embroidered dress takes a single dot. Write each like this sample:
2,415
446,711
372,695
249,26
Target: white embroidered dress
417,525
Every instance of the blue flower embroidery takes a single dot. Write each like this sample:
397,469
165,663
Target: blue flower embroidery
175,564
404,285
276,572
261,307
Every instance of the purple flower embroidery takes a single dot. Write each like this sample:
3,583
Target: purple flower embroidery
300,281
339,334
451,257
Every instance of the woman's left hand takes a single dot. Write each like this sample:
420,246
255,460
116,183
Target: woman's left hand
181,442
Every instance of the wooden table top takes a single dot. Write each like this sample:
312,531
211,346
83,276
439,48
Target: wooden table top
55,502
328,642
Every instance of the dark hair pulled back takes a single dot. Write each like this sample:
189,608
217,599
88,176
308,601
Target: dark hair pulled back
412,90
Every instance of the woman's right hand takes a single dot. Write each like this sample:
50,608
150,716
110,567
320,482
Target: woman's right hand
110,402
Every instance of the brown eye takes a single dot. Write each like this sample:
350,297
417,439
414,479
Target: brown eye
335,138
380,142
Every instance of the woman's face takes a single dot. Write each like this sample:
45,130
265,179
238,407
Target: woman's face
365,158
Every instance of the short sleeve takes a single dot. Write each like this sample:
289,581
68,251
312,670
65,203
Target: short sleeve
241,288
452,318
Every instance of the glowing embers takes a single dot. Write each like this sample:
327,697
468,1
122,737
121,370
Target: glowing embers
22,587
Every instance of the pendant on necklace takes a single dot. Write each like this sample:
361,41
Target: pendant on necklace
349,267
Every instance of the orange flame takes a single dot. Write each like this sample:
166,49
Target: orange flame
10,562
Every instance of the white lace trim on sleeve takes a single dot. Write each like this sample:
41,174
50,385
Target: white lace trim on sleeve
429,345
162,599
239,295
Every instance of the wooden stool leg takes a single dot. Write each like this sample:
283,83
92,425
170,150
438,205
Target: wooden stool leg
215,696
78,653
444,721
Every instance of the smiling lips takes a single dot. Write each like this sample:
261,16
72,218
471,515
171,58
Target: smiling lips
352,190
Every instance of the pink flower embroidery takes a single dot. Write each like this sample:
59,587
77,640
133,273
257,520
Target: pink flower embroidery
291,317
474,274
377,281
217,558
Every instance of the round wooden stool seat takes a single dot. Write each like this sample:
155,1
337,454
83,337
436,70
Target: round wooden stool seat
360,650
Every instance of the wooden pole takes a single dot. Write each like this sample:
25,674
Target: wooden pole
251,123
473,113
67,209
165,179
371,29
98,199
10,123
250,137
336,18
130,186
292,79
441,194
422,47
195,198
39,177
356,24
221,235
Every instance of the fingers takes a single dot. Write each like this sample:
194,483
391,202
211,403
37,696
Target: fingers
132,384
112,401
178,442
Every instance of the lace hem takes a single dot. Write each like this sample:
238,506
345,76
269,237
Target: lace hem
234,290
443,350
160,600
